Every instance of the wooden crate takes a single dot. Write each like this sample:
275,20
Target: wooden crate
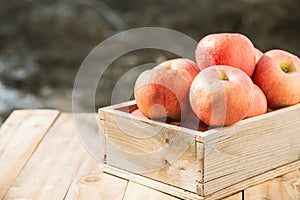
208,164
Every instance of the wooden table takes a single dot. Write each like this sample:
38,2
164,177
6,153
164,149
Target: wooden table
41,157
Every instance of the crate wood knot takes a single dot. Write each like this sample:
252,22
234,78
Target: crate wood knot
92,179
167,163
167,141
181,168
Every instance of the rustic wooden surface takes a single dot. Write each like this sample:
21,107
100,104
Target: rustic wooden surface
41,157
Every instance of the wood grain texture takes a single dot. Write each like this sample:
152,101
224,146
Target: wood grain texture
142,136
88,130
136,191
180,173
237,196
156,185
19,137
91,183
256,180
157,150
285,187
49,172
199,167
251,147
165,188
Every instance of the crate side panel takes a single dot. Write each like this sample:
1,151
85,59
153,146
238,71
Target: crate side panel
163,153
250,148
135,136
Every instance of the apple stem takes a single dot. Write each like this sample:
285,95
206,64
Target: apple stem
168,67
286,67
222,75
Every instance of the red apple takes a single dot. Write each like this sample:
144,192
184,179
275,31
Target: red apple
221,95
175,123
258,55
259,105
277,73
231,49
137,112
163,91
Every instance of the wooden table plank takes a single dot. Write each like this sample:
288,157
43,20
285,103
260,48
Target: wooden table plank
136,191
50,171
19,136
91,183
237,196
286,187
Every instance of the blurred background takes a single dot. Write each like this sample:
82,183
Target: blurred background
43,43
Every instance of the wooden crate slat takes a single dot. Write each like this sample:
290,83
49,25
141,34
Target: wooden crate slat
256,180
19,136
165,188
91,183
180,193
252,149
49,172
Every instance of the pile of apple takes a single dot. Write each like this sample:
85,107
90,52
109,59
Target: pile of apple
231,80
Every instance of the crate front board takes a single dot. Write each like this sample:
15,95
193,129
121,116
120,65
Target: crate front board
235,156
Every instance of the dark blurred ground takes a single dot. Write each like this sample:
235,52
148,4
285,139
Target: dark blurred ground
43,43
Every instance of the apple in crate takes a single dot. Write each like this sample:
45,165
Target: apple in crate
258,55
231,49
259,105
221,95
137,112
278,75
162,92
